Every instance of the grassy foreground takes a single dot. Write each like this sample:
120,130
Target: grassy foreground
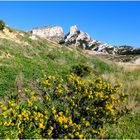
26,61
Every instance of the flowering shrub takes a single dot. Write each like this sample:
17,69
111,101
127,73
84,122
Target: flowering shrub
71,109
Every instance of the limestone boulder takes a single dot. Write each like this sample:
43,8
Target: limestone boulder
79,39
54,33
71,37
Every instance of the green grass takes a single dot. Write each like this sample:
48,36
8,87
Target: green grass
128,128
34,62
41,57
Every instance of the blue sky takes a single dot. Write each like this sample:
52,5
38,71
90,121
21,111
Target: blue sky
116,23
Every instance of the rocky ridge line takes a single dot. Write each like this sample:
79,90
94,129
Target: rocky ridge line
80,39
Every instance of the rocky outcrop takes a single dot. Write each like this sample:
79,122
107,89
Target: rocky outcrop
54,33
71,37
135,51
79,39
83,40
127,50
119,50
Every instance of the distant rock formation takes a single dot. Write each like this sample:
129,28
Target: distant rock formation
83,40
80,39
71,37
127,50
54,33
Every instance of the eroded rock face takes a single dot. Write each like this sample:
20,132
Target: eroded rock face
54,33
127,50
83,40
71,37
79,39
73,30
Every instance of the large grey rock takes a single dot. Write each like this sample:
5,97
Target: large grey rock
119,50
127,50
83,40
136,51
73,30
104,48
71,37
79,39
54,33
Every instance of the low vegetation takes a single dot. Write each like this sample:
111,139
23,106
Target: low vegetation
71,103
81,70
74,108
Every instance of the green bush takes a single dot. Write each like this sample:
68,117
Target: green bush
71,109
52,56
81,70
2,24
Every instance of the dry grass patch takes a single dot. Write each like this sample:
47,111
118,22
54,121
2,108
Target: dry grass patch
12,36
112,78
129,67
133,84
4,55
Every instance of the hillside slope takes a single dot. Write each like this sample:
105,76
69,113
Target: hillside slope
24,60
34,58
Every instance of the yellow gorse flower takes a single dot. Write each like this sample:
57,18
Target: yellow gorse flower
46,82
109,106
41,126
4,108
68,108
29,103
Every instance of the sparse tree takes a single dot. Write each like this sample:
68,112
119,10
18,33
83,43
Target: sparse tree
2,24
